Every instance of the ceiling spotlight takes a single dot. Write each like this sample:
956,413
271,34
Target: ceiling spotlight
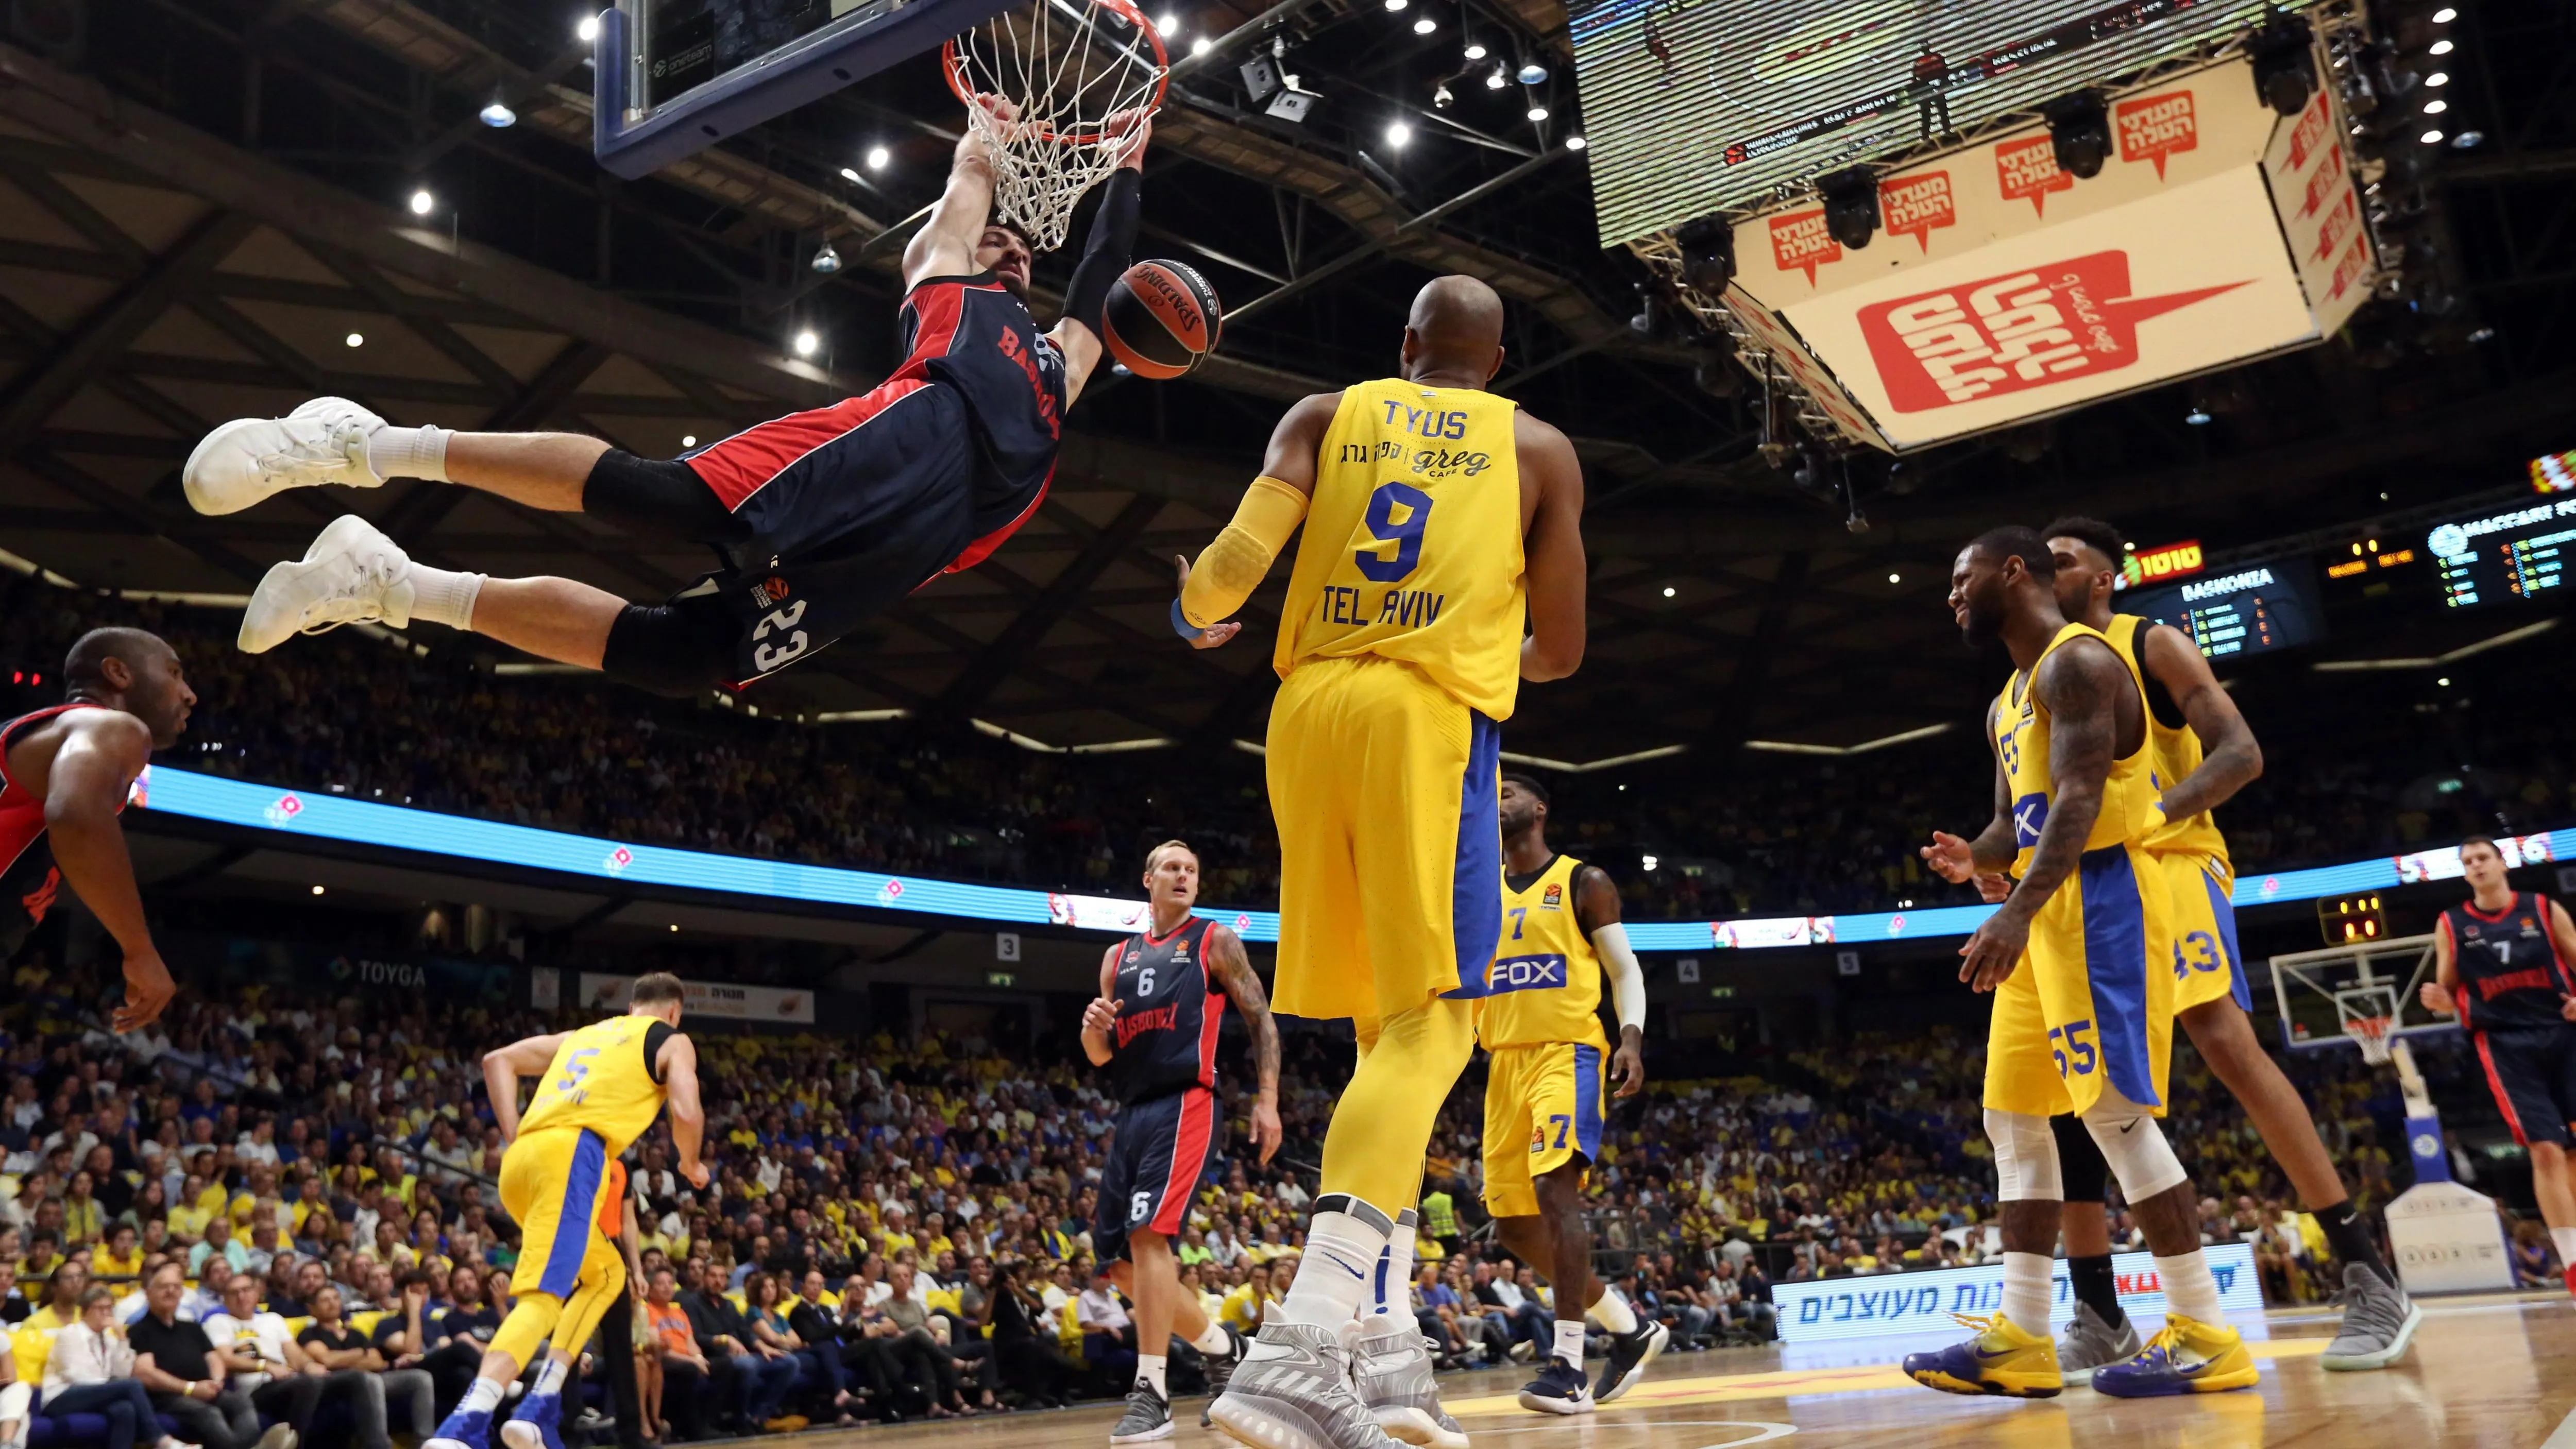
1475,50
827,261
2482,334
1896,578
2079,133
1538,113
1201,46
2437,79
1397,134
1497,80
1425,25
1531,73
317,890
422,201
1708,255
1851,205
2435,108
849,175
877,158
1395,5
2445,15
806,342
1575,143
2439,47
356,339
2285,65
688,440
2431,138
2197,416
588,29
497,115
1442,98
1169,25
2467,139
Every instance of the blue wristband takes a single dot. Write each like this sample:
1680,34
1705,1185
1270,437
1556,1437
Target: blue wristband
1181,623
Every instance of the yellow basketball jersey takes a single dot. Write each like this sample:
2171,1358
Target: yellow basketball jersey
2175,747
2021,742
602,1079
1544,985
1412,548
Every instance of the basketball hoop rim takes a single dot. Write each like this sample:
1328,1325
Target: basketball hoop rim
952,66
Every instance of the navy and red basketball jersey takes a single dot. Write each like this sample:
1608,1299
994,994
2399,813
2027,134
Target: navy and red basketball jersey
972,334
1170,1008
2510,974
28,877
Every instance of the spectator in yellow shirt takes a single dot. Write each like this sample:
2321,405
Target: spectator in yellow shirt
1242,1308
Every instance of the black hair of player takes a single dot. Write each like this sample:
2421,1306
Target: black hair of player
2015,540
1529,786
85,664
2093,533
657,987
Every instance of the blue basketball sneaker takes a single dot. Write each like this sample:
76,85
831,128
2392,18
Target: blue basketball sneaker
2001,1359
535,1424
464,1429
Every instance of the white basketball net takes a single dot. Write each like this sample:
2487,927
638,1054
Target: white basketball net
1073,73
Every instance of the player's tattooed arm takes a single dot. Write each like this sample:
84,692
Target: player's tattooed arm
2079,684
2230,759
1234,976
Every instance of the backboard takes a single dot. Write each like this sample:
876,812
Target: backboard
2322,993
672,77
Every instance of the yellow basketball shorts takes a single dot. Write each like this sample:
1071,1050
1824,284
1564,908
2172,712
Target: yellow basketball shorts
1544,1106
2206,966
550,1185
1385,791
2091,1002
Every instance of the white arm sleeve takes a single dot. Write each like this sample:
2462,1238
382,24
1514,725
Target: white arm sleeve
1627,978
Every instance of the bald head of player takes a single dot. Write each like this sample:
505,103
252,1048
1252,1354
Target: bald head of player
1454,337
2003,578
135,671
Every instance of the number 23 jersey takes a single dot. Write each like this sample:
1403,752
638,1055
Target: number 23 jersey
1412,548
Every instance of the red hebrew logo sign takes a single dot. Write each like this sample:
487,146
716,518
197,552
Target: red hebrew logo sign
2311,131
1915,205
2012,333
1800,243
2322,185
2029,168
2154,127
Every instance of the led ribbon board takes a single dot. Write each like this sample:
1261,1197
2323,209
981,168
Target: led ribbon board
324,817
1880,1304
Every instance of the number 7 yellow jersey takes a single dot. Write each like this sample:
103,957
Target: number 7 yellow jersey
1412,548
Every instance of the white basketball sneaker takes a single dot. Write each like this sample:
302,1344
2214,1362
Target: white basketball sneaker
352,574
249,459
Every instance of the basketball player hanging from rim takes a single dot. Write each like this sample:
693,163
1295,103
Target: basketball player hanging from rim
1154,1026
820,517
2501,965
2204,753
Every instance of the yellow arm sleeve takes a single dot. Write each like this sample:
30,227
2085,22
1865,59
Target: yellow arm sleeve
1233,566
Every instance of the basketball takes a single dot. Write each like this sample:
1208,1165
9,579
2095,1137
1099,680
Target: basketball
1162,319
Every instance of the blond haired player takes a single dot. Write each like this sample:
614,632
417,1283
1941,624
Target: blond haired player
2080,958
1442,564
2204,753
598,1088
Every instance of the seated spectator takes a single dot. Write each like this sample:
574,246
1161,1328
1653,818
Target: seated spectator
90,1370
177,1362
1108,1332
261,1356
359,1376
684,1367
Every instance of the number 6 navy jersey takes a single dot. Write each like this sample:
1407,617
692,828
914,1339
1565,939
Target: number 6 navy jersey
1169,1010
2510,974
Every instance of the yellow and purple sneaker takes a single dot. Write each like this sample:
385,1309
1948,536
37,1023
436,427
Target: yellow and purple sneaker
2001,1359
2185,1357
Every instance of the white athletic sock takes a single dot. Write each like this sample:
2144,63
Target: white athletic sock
2190,1288
2029,1284
1612,1312
1213,1340
443,597
484,1397
2565,1239
1149,1370
550,1378
1569,1340
1390,1291
409,452
1333,1277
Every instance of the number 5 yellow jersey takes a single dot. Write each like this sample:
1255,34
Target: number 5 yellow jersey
1412,548
602,1079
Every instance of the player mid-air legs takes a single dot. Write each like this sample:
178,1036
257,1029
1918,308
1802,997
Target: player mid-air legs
1154,1026
2080,958
821,517
2204,753
1538,1013
598,1088
1442,563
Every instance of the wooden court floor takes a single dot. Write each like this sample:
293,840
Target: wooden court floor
2494,1372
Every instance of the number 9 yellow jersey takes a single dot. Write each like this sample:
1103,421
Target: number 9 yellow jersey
1412,548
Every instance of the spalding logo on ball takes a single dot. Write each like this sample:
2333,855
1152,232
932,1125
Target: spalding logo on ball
1163,319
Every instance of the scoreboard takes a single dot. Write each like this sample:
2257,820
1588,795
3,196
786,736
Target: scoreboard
2510,554
2248,609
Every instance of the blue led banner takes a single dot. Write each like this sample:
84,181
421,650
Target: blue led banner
327,817
1890,1303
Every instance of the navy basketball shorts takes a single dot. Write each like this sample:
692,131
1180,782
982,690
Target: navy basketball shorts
1157,1152
2532,1071
840,512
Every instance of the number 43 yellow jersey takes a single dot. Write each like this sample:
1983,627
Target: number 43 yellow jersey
1412,547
